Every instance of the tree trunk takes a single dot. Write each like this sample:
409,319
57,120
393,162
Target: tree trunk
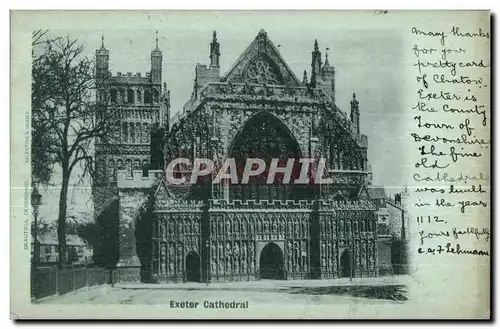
61,221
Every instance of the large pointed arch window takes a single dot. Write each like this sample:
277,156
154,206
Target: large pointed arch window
265,137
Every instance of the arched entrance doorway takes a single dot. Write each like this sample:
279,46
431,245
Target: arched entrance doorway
265,137
345,264
193,267
271,262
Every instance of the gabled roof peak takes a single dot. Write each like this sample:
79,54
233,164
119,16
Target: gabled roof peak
261,47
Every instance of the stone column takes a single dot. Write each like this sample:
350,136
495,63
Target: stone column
128,266
163,250
205,243
314,234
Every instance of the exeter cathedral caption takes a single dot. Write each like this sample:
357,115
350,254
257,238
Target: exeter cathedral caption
223,232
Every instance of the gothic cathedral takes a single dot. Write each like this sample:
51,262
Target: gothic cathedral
236,232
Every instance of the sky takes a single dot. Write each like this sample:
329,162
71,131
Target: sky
367,62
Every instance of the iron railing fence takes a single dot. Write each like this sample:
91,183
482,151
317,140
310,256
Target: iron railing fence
48,281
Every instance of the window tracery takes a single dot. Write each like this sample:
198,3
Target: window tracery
261,72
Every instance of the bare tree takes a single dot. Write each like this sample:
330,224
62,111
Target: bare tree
41,142
42,227
38,37
68,117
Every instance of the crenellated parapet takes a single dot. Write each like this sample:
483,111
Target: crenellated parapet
131,78
281,205
137,179
291,205
327,205
173,205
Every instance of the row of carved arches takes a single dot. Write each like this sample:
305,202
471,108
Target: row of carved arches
361,251
232,258
172,257
328,226
329,256
135,95
129,165
297,260
176,243
180,227
133,132
296,225
134,113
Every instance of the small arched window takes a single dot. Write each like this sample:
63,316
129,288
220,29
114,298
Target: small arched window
138,133
116,132
145,168
130,96
146,133
147,97
132,133
125,132
113,95
129,168
111,170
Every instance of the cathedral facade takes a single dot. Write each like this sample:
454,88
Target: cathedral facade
208,231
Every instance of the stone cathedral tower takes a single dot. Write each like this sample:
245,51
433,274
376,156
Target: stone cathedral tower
142,103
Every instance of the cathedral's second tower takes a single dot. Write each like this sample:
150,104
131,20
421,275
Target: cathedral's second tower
156,59
102,61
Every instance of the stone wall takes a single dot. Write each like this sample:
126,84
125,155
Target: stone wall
396,217
129,265
384,256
